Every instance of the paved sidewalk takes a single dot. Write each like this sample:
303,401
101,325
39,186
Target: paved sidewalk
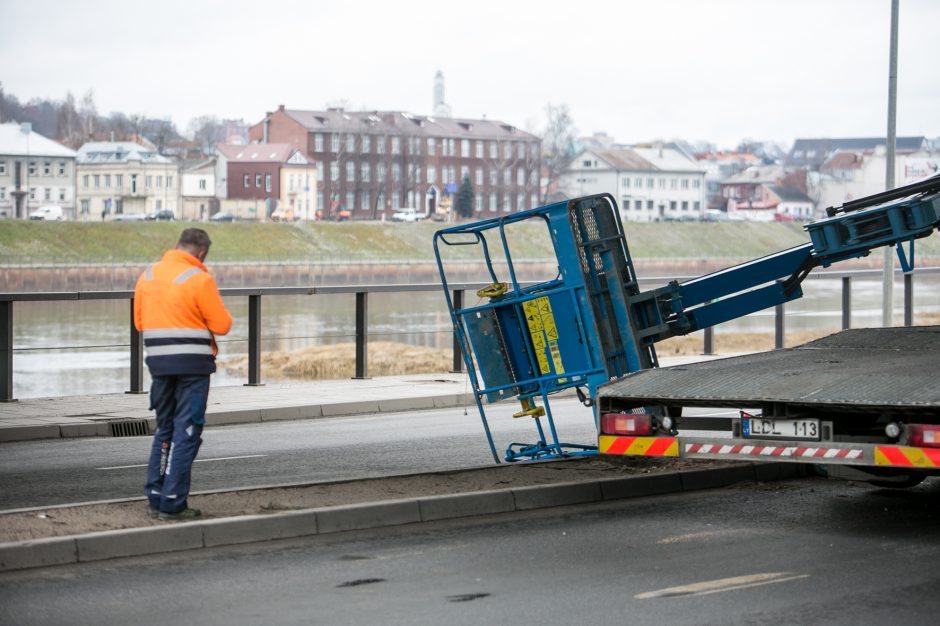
94,415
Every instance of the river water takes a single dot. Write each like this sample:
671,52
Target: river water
81,347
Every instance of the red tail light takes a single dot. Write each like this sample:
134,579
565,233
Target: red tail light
923,435
626,424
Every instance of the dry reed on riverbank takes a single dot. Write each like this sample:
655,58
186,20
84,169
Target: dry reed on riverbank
388,358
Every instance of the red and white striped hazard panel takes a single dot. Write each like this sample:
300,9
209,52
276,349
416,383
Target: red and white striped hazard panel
775,451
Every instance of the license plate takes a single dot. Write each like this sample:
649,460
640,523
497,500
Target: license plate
762,428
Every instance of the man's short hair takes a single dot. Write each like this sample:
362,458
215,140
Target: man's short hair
195,238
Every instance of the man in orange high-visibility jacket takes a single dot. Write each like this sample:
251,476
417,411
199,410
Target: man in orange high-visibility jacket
178,310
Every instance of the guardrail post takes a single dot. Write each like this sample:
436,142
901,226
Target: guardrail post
137,356
362,335
457,359
254,341
908,299
6,351
846,302
779,326
709,347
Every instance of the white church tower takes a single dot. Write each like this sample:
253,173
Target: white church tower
440,107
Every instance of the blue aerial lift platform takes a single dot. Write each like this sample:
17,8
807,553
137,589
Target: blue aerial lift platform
591,324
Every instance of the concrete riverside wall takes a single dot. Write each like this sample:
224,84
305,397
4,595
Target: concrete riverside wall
107,277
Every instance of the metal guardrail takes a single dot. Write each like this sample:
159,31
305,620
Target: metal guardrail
362,292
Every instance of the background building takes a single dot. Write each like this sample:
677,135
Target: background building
199,200
652,183
371,163
262,177
34,171
119,177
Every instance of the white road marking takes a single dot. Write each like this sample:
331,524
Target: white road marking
722,584
221,458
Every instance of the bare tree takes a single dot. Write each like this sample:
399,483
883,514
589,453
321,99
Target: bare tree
557,144
207,131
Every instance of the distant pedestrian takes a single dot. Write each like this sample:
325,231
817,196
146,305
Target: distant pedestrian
179,311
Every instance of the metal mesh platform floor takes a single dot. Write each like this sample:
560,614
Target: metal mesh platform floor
868,369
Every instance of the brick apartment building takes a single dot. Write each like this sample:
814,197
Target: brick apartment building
374,162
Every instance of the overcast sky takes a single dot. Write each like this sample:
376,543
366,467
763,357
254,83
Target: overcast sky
717,70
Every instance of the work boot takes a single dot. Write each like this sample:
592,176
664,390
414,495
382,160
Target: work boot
181,516
153,511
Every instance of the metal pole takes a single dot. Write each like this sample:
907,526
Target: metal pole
888,273
709,340
254,341
908,299
846,302
779,326
6,351
137,357
362,335
457,358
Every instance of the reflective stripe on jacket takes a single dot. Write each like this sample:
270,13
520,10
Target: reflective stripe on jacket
178,310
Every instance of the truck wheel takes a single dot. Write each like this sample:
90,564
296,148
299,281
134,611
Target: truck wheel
900,482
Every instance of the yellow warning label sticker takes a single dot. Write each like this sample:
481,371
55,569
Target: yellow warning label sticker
544,332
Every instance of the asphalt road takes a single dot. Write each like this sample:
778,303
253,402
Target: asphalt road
62,471
801,552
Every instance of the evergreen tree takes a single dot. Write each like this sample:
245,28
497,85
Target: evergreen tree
465,198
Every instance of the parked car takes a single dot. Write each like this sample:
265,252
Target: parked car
405,215
162,215
129,217
50,212
222,216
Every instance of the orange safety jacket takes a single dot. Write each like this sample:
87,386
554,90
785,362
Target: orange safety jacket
178,310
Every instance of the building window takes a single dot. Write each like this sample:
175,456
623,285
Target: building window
3,167
158,204
508,202
685,205
47,193
697,206
350,171
672,205
432,146
479,176
493,150
86,205
685,183
479,149
119,181
61,168
149,182
3,193
520,176
133,183
380,145
159,182
625,183
350,200
507,150
85,181
258,181
506,176
465,148
396,173
267,183
318,142
61,193
649,183
637,205
334,143
697,184
202,184
350,143
396,145
662,183
432,174
98,181
366,144
32,193
478,202
380,172
247,180
396,200
169,182
672,183
32,168
46,168
366,200
649,205
520,152
493,206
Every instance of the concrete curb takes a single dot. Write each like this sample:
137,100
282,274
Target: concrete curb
291,524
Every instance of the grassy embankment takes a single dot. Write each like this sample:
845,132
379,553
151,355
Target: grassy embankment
71,242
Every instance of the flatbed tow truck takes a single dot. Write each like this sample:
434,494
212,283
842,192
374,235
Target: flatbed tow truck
862,403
